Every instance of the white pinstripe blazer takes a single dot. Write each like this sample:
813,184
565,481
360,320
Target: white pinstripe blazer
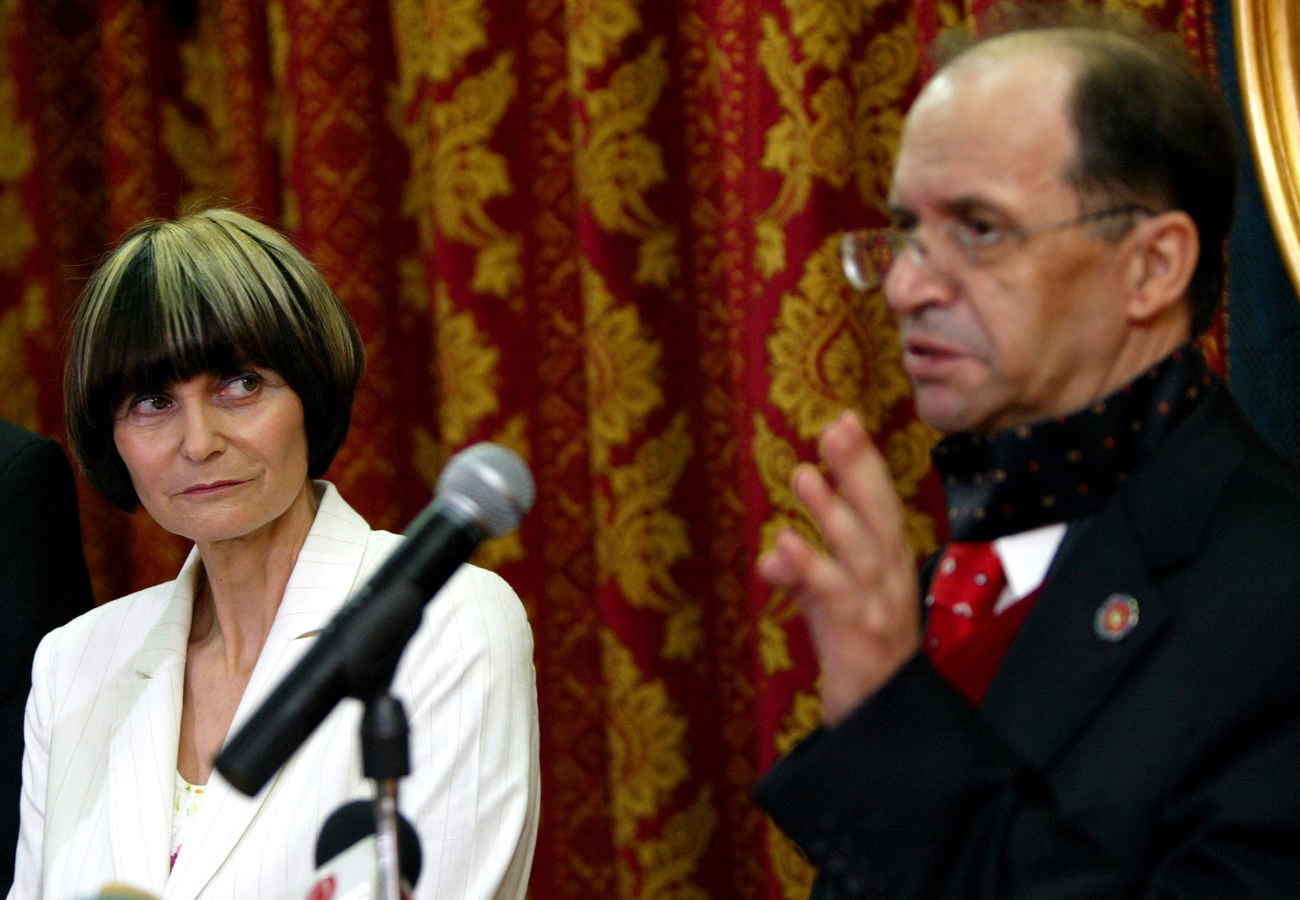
103,727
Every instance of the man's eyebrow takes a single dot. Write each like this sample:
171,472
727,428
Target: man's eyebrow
899,213
972,205
958,207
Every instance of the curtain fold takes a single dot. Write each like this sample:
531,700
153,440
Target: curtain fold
600,232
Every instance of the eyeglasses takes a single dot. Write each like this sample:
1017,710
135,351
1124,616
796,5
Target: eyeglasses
867,254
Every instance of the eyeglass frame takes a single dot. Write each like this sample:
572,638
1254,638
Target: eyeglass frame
870,245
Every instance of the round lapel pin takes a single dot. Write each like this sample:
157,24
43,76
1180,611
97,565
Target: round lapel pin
1116,617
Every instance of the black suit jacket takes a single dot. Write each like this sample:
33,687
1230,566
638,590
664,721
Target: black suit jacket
43,584
1166,764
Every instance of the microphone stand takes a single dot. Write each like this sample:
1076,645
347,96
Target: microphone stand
385,755
385,748
483,492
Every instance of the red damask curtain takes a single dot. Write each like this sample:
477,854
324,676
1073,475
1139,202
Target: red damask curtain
601,232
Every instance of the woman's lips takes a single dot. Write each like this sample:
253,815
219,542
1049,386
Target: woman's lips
210,488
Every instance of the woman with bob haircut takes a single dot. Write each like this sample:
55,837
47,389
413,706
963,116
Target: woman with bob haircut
210,380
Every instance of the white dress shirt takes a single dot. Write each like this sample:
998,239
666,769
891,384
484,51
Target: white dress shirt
1026,557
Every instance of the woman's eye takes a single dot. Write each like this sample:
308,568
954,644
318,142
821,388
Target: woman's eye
244,383
153,403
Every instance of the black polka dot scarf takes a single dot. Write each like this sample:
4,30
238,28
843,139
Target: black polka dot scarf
1010,481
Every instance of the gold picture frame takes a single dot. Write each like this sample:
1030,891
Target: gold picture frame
1268,61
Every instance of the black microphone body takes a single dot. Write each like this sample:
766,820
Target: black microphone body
483,492
357,653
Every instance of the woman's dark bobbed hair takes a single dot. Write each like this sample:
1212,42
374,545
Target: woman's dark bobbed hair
210,293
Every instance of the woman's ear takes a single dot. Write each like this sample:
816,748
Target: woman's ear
1164,251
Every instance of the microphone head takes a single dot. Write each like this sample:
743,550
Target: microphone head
115,890
355,821
488,484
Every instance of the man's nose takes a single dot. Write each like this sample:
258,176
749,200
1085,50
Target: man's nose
914,281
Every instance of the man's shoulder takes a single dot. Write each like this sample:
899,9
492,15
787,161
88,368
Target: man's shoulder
1220,518
1266,465
1213,513
16,442
1213,456
1259,482
1259,509
14,435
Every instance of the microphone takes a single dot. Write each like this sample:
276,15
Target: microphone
483,492
116,890
354,822
347,860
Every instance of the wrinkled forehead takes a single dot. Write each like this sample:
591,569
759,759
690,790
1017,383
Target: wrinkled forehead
995,125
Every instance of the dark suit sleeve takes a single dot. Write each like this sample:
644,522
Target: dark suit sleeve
895,803
43,583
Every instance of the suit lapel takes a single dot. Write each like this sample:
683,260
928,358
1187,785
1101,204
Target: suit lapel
1059,670
1041,698
143,749
322,579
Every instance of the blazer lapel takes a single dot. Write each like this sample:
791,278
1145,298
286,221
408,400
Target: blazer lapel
322,580
1060,670
143,749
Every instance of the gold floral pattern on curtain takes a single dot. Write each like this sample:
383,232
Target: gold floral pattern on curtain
600,232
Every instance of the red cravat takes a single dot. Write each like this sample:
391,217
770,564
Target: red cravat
963,638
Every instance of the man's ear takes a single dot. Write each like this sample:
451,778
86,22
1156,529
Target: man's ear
1164,249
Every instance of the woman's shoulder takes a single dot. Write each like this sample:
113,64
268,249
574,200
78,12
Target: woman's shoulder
475,604
112,628
468,583
480,609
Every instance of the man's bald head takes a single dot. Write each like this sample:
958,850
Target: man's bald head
1150,130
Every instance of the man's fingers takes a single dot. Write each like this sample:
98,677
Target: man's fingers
859,600
848,539
787,563
800,568
863,476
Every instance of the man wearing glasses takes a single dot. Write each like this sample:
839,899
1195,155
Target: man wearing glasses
1097,691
